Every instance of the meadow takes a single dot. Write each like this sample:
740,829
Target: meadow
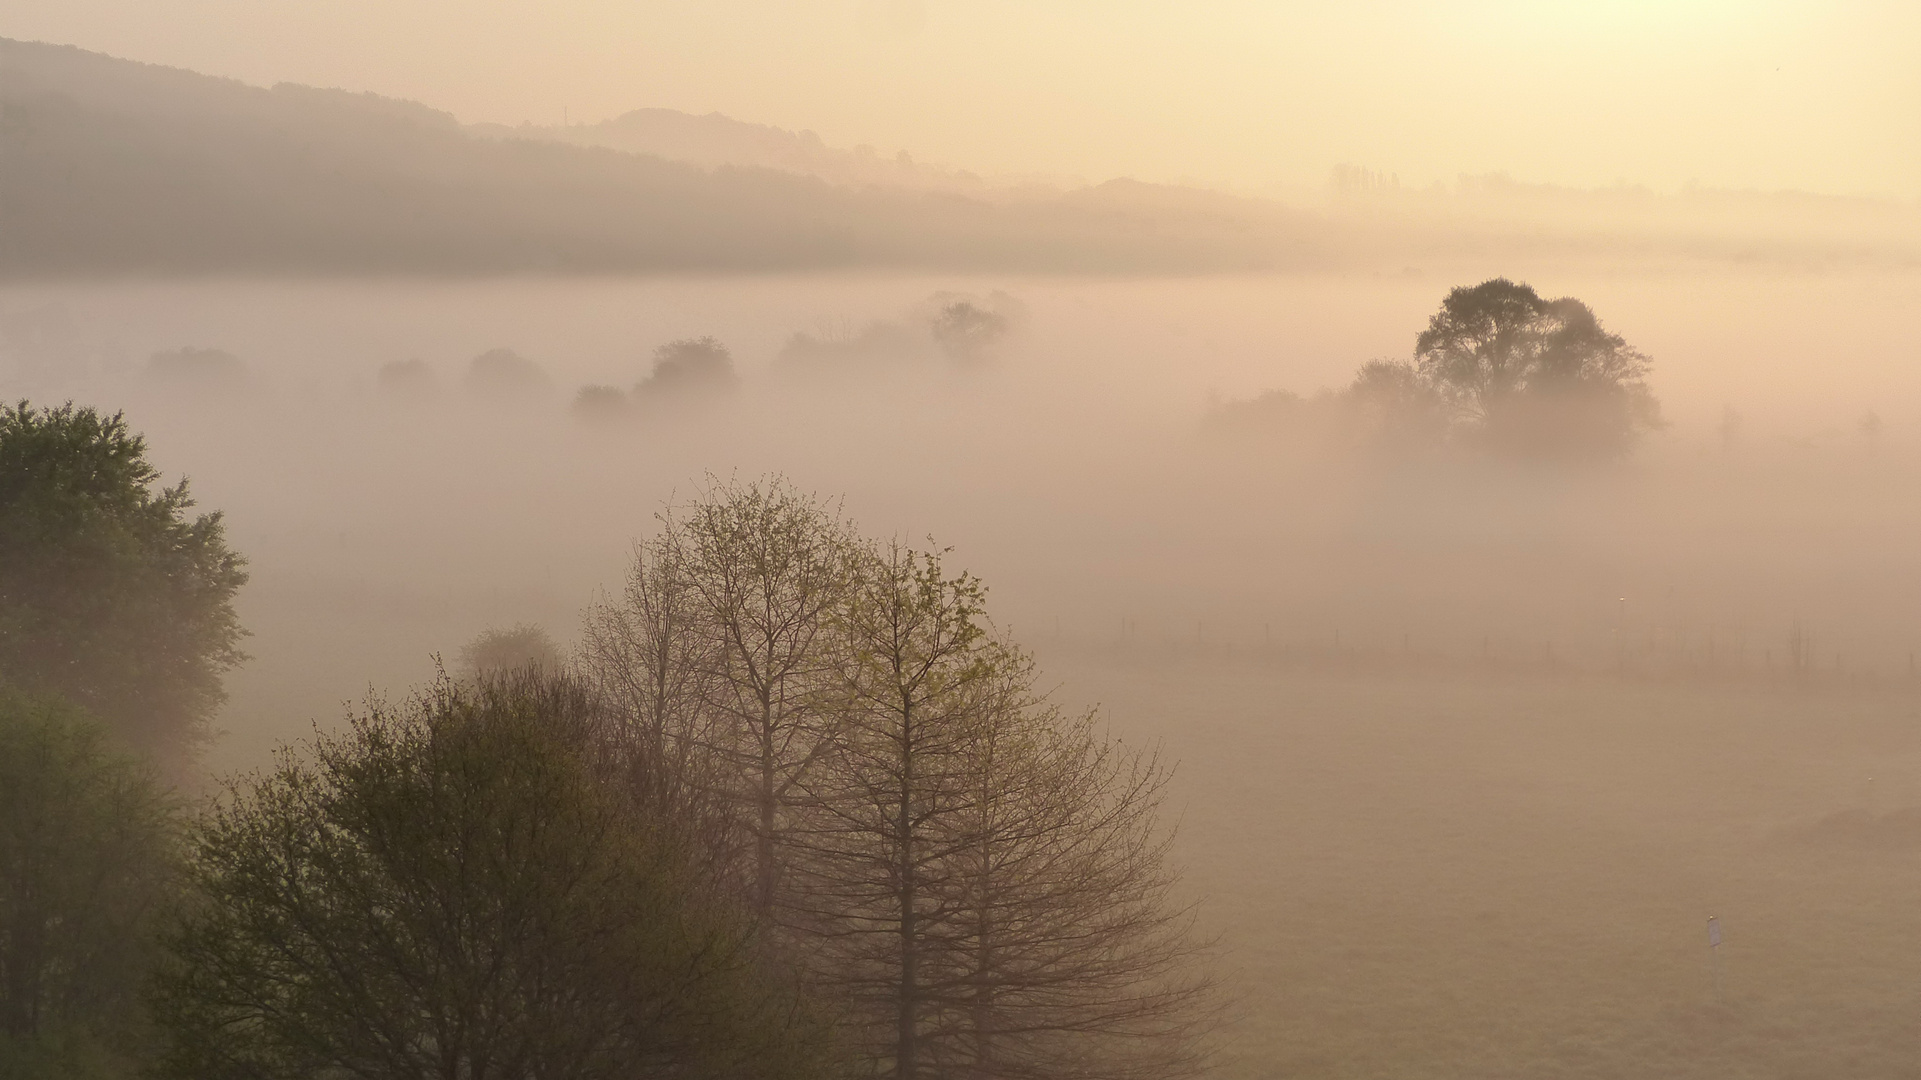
1451,874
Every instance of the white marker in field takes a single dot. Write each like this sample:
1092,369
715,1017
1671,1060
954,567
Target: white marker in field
1714,953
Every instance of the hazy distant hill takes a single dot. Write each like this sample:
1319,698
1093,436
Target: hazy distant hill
714,140
113,166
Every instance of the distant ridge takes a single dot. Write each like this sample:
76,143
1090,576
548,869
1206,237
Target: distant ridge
110,166
713,141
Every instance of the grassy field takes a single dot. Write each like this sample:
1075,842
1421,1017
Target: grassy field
1451,876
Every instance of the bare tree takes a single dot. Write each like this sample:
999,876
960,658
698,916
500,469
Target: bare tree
764,568
897,791
651,657
991,875
1068,955
977,881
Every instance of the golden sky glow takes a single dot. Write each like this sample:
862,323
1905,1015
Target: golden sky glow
1785,94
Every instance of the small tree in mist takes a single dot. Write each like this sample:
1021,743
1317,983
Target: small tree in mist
689,367
196,371
966,331
600,403
656,664
496,650
87,847
111,595
505,375
467,885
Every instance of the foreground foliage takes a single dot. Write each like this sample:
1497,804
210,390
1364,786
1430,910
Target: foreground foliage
466,885
86,858
111,595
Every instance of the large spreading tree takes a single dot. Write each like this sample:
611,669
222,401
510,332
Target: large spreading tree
112,595
1534,375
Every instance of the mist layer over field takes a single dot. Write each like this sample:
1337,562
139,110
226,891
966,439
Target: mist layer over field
1472,747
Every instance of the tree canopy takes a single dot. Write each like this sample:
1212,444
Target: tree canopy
467,885
111,594
87,847
1532,374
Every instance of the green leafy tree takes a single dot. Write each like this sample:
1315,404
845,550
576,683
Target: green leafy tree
1534,375
466,886
111,595
87,846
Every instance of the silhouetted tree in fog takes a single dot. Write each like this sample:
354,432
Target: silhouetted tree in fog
197,371
496,650
600,403
966,330
1533,375
505,375
1396,406
690,367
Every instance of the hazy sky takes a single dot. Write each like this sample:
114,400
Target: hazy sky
1789,93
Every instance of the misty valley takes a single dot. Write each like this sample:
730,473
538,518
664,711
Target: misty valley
1465,747
567,583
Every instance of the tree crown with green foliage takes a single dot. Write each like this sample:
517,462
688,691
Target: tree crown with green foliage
111,594
87,853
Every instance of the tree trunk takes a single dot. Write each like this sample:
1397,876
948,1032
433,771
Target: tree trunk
906,1048
765,870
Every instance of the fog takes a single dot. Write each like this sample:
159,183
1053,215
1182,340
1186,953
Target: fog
1471,744
1454,730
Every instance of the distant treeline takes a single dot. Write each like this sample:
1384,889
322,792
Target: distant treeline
118,167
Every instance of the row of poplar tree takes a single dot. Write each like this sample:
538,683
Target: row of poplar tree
793,809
